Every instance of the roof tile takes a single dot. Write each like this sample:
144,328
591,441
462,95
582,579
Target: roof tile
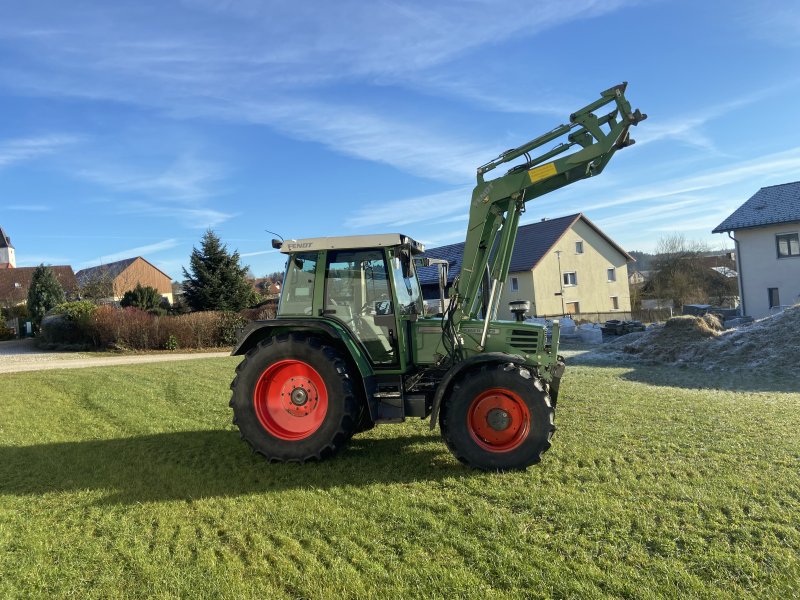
768,206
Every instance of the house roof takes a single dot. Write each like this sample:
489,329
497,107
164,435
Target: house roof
5,241
111,270
533,242
770,205
14,283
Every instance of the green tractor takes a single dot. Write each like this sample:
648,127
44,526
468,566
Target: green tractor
351,346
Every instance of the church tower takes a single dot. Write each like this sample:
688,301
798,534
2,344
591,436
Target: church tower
7,258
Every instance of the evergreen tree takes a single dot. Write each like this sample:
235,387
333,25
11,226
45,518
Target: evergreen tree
143,297
45,293
215,280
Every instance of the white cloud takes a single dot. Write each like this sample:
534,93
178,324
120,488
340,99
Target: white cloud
132,252
31,148
28,207
259,253
184,64
434,207
186,179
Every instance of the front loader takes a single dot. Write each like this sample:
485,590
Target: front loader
351,346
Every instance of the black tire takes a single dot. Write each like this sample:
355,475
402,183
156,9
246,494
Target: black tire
498,417
278,374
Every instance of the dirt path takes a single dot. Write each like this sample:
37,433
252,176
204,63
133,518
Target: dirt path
23,355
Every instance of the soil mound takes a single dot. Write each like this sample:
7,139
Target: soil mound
769,343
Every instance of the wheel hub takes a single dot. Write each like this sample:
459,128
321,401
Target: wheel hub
498,419
299,396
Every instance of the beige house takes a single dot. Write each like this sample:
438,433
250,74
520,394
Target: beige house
112,280
561,266
766,231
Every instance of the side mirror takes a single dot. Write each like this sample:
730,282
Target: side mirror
383,307
405,262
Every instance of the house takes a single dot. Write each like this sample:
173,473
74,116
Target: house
7,257
264,286
638,277
14,283
112,280
561,266
766,231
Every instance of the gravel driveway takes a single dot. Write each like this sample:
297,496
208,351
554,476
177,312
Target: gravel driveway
23,355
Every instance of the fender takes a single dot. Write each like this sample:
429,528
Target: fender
259,330
455,370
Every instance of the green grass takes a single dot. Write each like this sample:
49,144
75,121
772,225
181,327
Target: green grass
130,482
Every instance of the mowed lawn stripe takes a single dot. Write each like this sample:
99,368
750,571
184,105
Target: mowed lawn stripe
131,481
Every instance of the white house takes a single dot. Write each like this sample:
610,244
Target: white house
766,230
560,266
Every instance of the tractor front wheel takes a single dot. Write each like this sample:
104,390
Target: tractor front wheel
294,400
498,417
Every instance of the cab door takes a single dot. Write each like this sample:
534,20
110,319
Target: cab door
358,295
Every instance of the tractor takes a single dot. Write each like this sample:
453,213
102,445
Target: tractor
351,346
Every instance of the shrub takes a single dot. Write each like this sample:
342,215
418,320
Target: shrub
230,324
5,332
142,297
19,311
131,328
76,311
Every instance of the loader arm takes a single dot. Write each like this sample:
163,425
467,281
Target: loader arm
497,204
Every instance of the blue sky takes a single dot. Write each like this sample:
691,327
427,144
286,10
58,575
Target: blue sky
128,128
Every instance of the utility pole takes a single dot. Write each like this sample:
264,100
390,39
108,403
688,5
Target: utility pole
560,283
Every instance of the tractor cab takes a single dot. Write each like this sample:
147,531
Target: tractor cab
367,284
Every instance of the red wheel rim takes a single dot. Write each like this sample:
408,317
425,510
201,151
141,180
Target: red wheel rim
498,420
290,400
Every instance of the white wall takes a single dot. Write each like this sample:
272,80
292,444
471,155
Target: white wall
760,268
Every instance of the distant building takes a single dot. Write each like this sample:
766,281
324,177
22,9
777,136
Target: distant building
766,230
561,266
14,283
112,280
7,258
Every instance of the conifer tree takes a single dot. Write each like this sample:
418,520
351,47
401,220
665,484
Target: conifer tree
44,293
215,279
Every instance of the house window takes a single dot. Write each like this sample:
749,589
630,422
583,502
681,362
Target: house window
579,247
611,274
573,308
788,244
614,302
570,278
514,284
774,297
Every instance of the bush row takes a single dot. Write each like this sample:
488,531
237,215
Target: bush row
84,324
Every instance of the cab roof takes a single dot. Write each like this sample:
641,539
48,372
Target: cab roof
349,242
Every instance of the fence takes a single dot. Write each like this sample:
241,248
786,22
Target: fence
654,315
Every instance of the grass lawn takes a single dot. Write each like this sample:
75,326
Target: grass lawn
131,482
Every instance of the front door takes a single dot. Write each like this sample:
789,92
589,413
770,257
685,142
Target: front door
356,290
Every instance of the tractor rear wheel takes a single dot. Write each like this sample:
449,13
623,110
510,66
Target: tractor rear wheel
498,417
294,400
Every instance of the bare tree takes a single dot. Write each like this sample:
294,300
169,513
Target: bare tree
678,271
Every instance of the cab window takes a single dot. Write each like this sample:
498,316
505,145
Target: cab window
297,296
409,298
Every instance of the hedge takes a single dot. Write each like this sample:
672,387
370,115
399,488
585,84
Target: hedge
84,324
